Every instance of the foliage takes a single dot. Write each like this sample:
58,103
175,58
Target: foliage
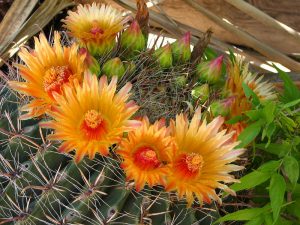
273,174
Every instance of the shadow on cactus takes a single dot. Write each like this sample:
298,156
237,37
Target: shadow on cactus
135,111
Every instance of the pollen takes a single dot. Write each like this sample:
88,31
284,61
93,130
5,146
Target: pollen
55,77
194,162
92,119
96,30
146,158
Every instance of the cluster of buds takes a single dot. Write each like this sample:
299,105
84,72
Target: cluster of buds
177,52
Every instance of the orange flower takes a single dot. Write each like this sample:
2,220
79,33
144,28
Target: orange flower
95,26
146,153
238,73
202,162
47,69
91,117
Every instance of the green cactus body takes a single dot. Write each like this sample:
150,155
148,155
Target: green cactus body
39,185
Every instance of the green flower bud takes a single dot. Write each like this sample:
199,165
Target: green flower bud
222,108
133,40
181,49
113,67
200,93
163,56
90,62
180,81
210,71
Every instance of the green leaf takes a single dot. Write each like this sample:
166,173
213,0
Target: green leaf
291,91
276,149
276,192
256,177
268,219
254,114
256,221
269,111
249,134
290,104
291,167
235,119
269,167
268,131
244,214
251,180
294,208
249,93
210,54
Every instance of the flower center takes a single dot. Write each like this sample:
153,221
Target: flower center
92,119
93,125
146,158
55,77
96,30
188,166
194,162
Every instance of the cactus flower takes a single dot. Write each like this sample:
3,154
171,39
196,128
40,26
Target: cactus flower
95,27
46,70
114,67
91,117
132,39
202,162
146,153
163,56
210,71
181,49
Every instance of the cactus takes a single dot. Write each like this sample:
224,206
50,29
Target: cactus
40,181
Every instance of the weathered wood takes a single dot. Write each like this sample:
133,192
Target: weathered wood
272,53
286,12
266,19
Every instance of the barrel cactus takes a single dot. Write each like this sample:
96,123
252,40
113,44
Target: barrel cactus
115,131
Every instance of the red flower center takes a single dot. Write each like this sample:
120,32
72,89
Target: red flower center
96,30
93,125
146,158
55,77
189,165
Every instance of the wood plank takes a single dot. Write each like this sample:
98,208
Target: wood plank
285,11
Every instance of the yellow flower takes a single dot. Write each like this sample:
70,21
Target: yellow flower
95,26
146,153
202,162
91,117
45,71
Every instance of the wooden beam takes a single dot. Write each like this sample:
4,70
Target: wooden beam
266,19
249,40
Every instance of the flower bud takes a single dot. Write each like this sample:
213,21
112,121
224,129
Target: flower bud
222,108
180,81
163,56
210,71
200,93
90,62
181,49
113,67
132,39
